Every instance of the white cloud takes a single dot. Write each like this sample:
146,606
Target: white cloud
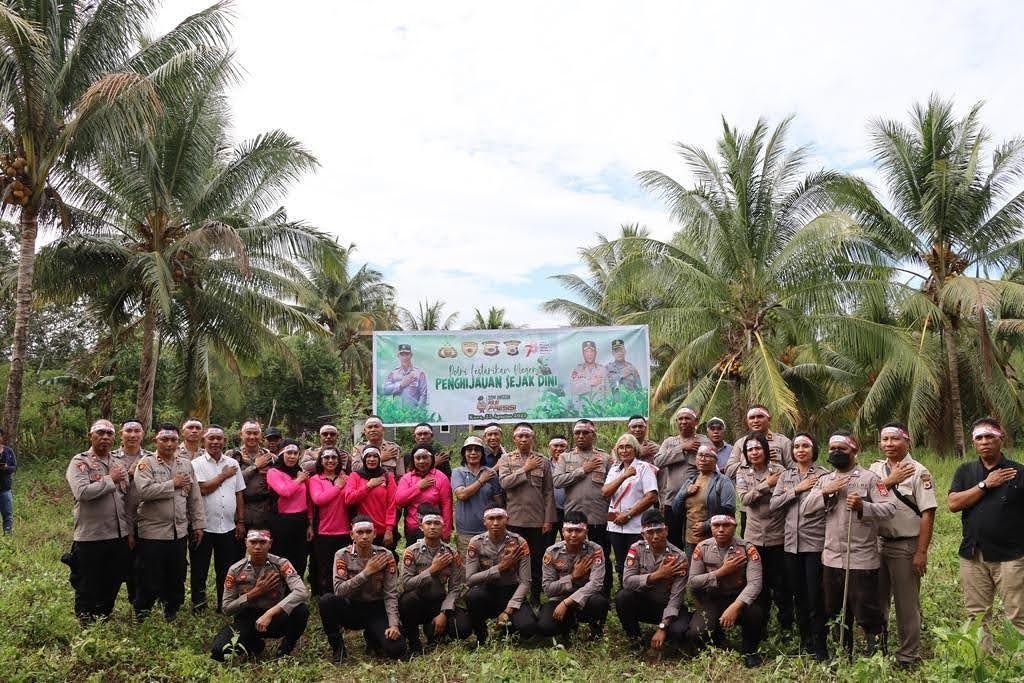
452,134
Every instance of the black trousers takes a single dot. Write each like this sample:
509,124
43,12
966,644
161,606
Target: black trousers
676,525
776,585
804,570
488,601
535,540
225,550
594,611
162,566
598,533
289,533
705,625
337,613
863,603
324,547
620,544
250,641
102,567
419,608
634,607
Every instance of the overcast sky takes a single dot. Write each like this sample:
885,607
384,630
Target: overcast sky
470,149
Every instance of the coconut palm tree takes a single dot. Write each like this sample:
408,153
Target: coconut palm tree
494,320
181,237
351,305
429,316
954,216
759,270
73,81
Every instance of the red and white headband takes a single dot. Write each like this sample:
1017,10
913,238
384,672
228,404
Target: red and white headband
894,431
985,429
167,433
258,535
522,429
723,519
758,412
363,525
687,411
654,526
495,512
574,525
842,440
214,431
804,439
431,518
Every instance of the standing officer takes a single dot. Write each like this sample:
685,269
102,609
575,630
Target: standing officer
406,381
573,581
723,449
191,445
621,373
169,503
990,492
390,454
132,451
725,578
677,464
530,496
365,596
648,447
498,576
588,379
423,437
581,473
267,599
328,439
855,502
905,537
103,524
433,579
653,585
780,448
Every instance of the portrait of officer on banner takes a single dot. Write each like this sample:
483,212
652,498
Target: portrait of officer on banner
406,381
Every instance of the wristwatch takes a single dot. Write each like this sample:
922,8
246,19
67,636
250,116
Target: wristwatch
662,626
982,485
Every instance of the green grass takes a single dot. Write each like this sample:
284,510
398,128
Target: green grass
43,641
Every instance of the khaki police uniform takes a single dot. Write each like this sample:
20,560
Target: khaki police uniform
363,601
583,494
715,594
591,606
676,466
425,595
780,450
766,529
804,540
394,461
863,600
258,496
581,386
660,602
290,595
104,520
897,579
164,517
492,591
131,460
530,501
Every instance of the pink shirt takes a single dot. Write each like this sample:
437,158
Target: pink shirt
291,494
377,503
331,504
410,497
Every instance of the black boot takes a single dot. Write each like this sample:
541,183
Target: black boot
285,648
337,644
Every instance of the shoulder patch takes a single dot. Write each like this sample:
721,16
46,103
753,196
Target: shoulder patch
926,480
471,551
229,581
881,488
408,557
753,554
526,549
392,566
631,560
548,557
287,569
141,466
697,554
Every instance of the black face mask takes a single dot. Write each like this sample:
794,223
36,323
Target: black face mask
839,459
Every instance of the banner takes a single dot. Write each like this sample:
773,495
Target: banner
479,376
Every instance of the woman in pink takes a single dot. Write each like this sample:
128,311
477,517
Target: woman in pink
290,526
371,491
331,530
424,484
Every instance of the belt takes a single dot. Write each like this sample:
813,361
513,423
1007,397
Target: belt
898,538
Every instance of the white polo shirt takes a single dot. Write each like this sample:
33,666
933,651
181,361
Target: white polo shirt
630,492
220,505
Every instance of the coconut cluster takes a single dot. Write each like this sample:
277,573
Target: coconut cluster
15,181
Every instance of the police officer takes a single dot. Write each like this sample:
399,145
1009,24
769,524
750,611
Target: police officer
498,576
328,439
191,445
267,599
525,475
677,464
581,473
855,502
725,579
132,451
779,445
390,455
905,537
621,373
648,447
406,381
653,585
423,437
169,503
588,379
365,596
573,581
433,579
104,524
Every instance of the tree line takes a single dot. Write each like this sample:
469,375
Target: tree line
178,283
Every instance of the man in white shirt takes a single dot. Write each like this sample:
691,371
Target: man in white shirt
221,483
